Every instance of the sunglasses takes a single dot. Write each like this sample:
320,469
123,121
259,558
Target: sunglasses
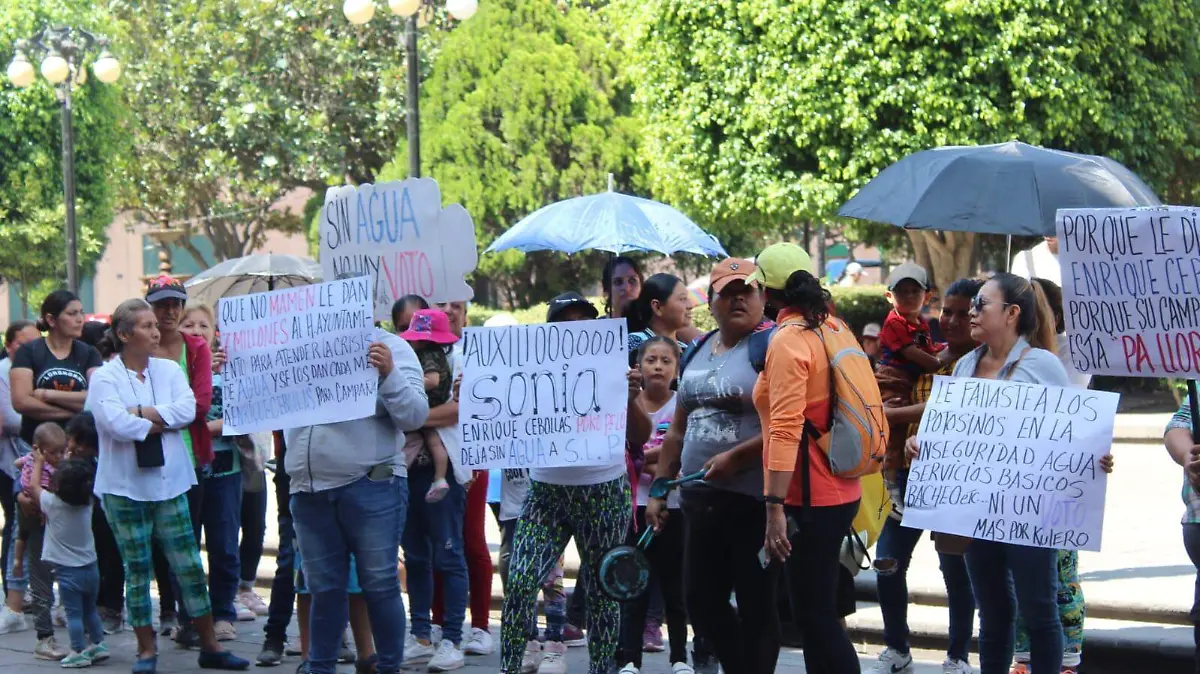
978,304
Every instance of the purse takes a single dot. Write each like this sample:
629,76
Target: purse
149,452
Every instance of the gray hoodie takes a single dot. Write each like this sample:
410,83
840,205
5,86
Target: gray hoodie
328,456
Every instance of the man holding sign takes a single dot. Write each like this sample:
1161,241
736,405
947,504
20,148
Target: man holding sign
1018,463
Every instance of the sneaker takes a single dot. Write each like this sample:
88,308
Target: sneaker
76,661
224,630
1020,668
630,668
417,651
111,620
435,634
652,639
60,616
682,668
952,666
47,649
479,643
554,658
167,625
893,662
250,599
271,653
187,637
289,649
243,614
573,636
532,658
11,621
97,652
447,658
437,491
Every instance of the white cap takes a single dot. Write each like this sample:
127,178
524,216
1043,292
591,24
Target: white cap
871,330
500,320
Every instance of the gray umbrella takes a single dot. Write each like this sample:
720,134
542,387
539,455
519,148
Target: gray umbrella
252,274
1011,188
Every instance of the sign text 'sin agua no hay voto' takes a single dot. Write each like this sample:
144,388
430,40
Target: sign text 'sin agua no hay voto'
298,357
540,396
1131,290
1012,462
398,234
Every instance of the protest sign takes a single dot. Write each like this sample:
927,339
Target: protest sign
398,234
297,357
1131,290
1012,462
540,396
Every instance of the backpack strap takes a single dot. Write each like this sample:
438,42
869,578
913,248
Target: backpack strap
692,350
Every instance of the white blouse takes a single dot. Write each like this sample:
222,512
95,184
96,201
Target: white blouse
112,391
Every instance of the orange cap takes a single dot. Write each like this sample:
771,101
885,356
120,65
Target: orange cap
731,269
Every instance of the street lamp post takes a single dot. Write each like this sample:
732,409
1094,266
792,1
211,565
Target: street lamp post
417,14
65,49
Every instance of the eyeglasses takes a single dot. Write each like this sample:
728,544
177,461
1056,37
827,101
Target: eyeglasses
978,304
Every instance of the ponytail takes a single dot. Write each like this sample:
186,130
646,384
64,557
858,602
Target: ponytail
804,293
1044,335
657,288
1036,321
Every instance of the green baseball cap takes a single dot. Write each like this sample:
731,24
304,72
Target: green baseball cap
779,261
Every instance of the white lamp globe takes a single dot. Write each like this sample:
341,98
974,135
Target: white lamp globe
21,73
55,68
404,7
359,12
107,68
462,9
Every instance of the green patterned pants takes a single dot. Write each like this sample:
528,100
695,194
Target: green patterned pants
1070,612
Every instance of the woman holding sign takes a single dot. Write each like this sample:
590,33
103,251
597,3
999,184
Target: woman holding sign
1012,320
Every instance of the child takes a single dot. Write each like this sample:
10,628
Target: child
50,439
69,547
906,349
429,334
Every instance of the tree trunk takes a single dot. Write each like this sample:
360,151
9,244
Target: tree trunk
945,255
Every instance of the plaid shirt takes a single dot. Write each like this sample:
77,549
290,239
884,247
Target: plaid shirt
922,390
1191,498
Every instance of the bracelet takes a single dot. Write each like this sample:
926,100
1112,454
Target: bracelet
140,411
777,500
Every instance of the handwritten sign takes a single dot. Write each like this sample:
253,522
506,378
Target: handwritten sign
398,234
1012,462
1131,290
298,357
539,396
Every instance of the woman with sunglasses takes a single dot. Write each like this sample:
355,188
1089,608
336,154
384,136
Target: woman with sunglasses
1015,326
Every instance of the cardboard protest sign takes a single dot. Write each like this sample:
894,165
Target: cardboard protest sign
1131,290
1012,462
540,396
398,234
298,357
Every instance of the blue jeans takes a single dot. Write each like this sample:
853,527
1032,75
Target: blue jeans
363,518
892,557
433,540
1007,578
221,517
78,587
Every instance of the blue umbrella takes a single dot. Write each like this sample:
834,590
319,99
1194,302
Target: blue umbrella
609,221
1010,188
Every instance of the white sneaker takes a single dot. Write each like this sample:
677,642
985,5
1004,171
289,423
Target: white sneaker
243,614
951,666
479,643
629,668
435,634
11,621
417,652
682,668
447,658
47,649
893,662
554,658
532,658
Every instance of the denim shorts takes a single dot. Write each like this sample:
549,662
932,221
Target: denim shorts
302,587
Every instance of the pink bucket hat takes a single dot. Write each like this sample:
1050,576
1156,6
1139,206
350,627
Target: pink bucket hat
429,325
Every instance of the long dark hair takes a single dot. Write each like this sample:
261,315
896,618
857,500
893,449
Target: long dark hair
606,277
1054,297
656,288
803,293
54,304
1036,322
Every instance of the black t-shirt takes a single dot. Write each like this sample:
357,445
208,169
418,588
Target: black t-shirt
49,372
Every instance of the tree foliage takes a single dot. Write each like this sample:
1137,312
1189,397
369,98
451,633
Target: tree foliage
32,207
237,102
524,107
769,112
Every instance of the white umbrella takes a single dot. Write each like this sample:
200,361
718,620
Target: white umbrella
252,274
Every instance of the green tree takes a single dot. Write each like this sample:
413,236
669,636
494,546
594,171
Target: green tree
32,208
236,102
770,112
523,107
